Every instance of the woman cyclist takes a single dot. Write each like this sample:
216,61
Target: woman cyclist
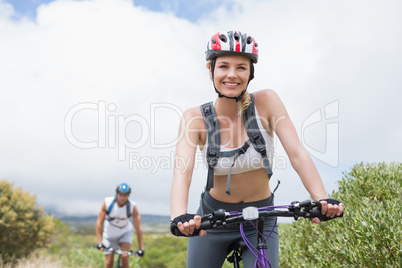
238,178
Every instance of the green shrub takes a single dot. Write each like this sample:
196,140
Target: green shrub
23,226
92,257
61,238
369,234
84,257
165,251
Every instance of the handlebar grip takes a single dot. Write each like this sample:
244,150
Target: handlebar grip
204,226
316,213
174,230
140,253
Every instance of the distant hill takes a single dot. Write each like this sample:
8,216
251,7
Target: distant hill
149,223
146,219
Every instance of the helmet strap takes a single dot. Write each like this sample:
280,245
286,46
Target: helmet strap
220,95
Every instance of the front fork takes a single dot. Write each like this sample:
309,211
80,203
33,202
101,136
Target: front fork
261,246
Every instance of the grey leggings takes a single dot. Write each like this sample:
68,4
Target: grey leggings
211,250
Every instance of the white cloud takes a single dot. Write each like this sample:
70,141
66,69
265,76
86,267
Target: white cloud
113,53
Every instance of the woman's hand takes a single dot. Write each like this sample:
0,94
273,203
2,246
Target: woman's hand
188,227
187,224
330,209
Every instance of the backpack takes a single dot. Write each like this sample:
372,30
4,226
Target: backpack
213,150
111,207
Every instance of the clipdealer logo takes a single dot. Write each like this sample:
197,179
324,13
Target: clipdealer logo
112,128
329,117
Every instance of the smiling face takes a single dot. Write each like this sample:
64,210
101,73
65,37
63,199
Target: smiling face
231,74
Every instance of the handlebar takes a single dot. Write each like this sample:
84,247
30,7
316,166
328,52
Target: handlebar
306,209
120,252
139,252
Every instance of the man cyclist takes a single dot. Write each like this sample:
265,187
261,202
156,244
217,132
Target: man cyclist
114,228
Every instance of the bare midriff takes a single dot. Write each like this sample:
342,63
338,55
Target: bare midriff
245,187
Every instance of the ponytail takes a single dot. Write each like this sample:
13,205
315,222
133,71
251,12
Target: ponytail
245,101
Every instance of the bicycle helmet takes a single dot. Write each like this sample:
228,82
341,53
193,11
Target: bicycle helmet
123,188
232,43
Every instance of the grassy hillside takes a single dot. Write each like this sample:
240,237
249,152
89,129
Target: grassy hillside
369,234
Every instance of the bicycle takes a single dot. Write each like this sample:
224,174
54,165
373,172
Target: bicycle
119,252
306,209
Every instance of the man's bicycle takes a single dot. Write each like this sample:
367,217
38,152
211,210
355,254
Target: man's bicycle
256,216
119,252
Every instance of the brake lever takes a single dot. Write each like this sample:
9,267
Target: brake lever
306,206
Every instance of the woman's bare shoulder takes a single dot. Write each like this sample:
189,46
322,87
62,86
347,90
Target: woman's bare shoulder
193,111
192,118
266,100
264,95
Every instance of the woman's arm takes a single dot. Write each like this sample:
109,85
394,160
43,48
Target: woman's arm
301,161
188,139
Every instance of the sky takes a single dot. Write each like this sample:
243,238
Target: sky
92,91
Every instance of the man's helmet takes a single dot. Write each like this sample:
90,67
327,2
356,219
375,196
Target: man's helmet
232,43
123,188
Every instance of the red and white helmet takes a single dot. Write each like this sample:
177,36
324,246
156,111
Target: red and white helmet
232,43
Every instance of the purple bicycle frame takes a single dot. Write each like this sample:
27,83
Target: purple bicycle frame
260,252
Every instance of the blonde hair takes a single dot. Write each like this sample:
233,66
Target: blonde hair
244,103
245,100
209,63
